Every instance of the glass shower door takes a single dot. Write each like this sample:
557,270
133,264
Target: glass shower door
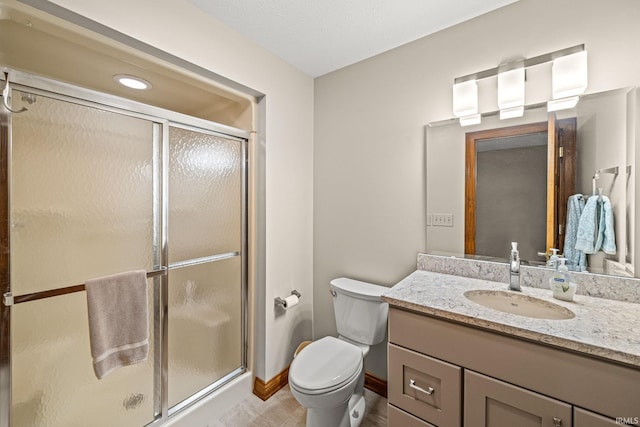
90,188
206,180
81,206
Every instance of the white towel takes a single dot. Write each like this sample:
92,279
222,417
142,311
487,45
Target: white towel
118,320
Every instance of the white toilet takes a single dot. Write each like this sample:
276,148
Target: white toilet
327,376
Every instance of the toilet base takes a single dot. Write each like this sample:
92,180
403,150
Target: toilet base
347,414
337,416
356,409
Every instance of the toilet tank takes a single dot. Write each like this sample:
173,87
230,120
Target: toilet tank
361,315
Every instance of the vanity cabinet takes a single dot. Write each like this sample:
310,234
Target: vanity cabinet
493,403
445,373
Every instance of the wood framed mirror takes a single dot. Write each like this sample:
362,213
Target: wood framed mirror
543,157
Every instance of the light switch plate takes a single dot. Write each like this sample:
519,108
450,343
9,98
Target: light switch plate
442,220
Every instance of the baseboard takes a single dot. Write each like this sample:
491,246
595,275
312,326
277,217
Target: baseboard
375,384
264,390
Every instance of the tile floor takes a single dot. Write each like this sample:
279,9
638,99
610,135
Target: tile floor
282,410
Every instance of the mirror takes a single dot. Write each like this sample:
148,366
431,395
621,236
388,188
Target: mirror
533,199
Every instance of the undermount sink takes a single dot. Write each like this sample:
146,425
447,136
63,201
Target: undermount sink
522,305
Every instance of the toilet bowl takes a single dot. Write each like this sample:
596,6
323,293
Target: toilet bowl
327,375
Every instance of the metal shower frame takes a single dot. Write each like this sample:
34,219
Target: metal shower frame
162,119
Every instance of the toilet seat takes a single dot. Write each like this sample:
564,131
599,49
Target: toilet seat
325,365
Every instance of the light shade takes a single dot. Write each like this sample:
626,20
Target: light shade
510,113
562,104
473,119
511,88
569,75
465,98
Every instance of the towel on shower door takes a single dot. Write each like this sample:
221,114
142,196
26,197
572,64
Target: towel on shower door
118,320
576,259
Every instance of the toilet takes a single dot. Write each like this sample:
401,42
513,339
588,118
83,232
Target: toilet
327,376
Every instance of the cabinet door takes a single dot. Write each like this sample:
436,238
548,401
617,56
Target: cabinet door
492,403
582,418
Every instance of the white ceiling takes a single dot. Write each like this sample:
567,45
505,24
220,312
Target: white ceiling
320,36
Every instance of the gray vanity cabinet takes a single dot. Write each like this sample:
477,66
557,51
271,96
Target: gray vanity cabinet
449,374
492,403
582,418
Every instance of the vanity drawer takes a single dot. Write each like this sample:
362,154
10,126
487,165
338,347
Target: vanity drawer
425,387
398,418
584,418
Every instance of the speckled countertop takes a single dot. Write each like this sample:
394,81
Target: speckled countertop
603,328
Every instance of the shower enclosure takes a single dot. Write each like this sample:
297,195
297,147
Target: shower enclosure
93,185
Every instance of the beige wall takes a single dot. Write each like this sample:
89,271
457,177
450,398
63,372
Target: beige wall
181,29
605,119
369,191
357,152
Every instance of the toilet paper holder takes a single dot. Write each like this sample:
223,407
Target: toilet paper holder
282,302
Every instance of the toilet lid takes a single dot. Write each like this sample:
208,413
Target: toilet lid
325,365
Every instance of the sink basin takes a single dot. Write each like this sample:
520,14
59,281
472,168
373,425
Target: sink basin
522,305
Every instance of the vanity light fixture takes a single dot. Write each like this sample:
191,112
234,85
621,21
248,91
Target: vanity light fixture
132,82
569,75
473,119
511,113
569,80
511,93
465,100
563,103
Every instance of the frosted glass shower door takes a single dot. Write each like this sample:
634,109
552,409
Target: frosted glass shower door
82,206
205,260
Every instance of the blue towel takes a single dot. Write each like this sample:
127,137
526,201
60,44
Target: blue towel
595,229
587,234
606,233
576,259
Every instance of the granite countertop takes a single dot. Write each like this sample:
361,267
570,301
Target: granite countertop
602,328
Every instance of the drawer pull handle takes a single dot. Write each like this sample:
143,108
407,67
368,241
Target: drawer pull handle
557,422
428,391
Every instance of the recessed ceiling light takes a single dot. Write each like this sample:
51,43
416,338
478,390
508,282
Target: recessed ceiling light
132,82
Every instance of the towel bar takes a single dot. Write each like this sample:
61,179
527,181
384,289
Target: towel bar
9,300
596,176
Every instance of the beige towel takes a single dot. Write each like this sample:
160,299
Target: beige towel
118,320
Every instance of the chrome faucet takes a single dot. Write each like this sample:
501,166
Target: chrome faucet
514,268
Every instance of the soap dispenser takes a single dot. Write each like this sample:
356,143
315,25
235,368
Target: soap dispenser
560,283
553,259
